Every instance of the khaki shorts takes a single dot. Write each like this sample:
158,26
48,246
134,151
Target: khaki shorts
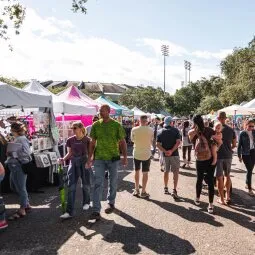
172,163
223,167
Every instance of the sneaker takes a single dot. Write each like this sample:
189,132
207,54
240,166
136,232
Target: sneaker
210,209
3,224
110,208
145,195
85,207
136,193
251,193
166,190
174,194
95,216
196,201
65,216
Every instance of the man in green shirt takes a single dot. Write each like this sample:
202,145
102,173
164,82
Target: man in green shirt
107,136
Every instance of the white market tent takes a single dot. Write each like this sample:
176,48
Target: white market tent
60,105
250,104
138,112
11,97
238,110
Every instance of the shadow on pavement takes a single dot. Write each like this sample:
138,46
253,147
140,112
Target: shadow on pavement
41,231
187,174
238,171
244,204
157,240
190,214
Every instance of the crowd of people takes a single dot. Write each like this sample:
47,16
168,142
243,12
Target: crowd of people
99,148
213,145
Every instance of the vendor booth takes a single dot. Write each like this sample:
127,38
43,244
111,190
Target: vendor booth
43,137
70,105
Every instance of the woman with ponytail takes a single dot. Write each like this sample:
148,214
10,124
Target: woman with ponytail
201,137
77,152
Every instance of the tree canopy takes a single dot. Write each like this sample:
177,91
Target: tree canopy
149,99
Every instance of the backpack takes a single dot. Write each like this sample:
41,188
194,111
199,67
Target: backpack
202,148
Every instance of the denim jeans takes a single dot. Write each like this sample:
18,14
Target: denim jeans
18,183
2,206
100,166
249,161
76,170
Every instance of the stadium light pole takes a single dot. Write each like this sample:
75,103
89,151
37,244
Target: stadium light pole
187,66
165,53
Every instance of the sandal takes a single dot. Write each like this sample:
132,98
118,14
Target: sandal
17,215
220,202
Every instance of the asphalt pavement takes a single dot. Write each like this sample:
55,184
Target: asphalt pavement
158,225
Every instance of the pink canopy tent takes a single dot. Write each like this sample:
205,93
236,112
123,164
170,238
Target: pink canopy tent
73,94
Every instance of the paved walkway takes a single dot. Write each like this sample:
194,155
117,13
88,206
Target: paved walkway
159,225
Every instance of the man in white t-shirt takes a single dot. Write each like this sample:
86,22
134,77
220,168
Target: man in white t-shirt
142,136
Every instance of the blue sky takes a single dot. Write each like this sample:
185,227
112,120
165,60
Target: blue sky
200,31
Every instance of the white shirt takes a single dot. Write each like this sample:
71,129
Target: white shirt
88,129
142,137
251,139
185,139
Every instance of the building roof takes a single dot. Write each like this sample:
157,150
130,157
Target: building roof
93,87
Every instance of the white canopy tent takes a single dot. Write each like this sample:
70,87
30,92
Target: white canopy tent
11,97
60,105
238,110
138,112
250,104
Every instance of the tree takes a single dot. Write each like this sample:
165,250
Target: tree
187,99
239,71
212,86
208,104
148,99
13,12
13,82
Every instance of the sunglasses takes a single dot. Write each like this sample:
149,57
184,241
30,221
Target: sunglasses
251,126
74,128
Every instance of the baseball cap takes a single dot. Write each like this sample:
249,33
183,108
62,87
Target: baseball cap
222,115
168,121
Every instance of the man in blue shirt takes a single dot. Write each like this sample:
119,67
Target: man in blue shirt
168,141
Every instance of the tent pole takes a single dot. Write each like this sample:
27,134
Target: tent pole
64,143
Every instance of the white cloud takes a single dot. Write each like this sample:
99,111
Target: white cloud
209,55
48,48
155,44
